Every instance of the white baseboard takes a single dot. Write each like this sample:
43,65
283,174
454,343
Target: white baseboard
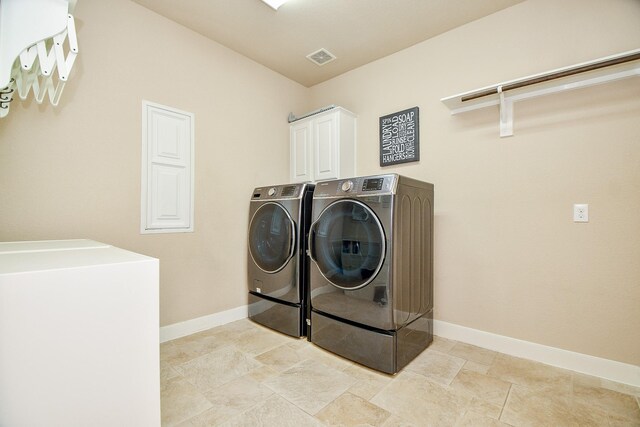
579,362
188,327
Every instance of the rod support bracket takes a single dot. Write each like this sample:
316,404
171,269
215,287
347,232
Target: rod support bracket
506,114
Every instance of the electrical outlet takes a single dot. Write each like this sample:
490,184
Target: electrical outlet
581,212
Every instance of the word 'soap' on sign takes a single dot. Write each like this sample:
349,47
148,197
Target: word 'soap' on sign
400,137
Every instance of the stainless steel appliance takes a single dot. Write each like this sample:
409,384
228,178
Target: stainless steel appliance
371,283
279,218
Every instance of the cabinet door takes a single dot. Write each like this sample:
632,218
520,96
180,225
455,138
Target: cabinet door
326,143
301,152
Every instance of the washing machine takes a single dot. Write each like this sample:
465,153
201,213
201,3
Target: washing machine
278,267
371,282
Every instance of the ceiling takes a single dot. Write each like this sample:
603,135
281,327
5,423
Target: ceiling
355,31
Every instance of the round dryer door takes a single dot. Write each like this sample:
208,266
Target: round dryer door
271,237
347,244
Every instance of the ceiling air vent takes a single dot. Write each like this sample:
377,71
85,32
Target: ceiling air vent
321,57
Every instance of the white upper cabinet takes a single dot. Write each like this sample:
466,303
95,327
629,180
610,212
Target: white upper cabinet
301,151
323,146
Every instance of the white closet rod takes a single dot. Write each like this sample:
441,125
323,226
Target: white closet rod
553,75
603,70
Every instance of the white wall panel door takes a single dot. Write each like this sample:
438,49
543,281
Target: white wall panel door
167,175
169,189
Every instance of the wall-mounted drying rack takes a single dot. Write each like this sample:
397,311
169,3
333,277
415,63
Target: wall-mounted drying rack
36,38
5,96
603,70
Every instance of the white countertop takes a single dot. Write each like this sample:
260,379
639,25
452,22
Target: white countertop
29,256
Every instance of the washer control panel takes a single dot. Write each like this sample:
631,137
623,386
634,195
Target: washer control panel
278,192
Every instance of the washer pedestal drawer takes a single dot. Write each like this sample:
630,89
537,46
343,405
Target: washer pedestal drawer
283,317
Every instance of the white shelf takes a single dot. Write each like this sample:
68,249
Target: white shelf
603,70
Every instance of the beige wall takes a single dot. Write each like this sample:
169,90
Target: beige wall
74,171
509,259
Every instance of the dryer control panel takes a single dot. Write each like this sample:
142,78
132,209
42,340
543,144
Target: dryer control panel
372,184
357,186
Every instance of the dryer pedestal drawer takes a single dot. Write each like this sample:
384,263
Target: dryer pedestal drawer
385,351
413,338
282,317
367,347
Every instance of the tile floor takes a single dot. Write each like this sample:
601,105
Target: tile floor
242,374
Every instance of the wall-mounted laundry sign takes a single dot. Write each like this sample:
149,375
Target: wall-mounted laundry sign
400,137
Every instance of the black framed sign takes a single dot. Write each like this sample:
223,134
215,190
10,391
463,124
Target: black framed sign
400,137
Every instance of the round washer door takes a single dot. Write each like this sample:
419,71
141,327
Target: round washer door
271,237
347,244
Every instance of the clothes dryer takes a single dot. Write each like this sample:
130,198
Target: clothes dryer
371,283
279,218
